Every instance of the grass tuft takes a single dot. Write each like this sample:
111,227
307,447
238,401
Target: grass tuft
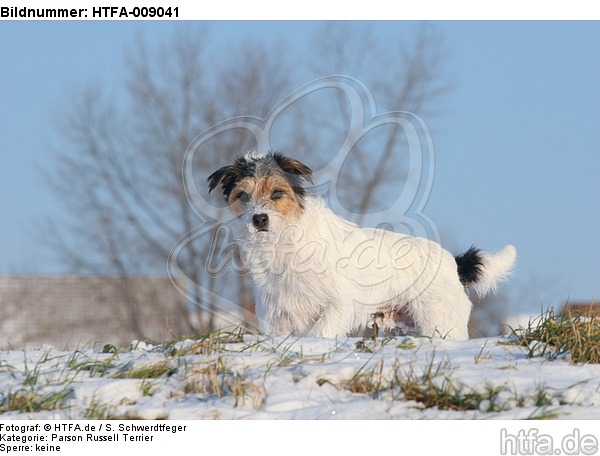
212,343
433,388
365,381
213,379
30,401
155,370
552,335
99,411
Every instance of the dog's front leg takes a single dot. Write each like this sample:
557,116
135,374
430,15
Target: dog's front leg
328,323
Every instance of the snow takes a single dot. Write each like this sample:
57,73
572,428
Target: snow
521,321
259,377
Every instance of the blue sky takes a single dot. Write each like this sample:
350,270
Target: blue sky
517,145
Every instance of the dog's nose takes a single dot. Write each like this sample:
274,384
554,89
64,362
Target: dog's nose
260,221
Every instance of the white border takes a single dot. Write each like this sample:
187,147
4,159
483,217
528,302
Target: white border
349,10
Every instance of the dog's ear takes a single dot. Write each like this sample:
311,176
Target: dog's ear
289,165
222,177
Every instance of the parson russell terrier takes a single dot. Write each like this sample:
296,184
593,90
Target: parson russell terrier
317,274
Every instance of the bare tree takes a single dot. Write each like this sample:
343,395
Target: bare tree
120,175
404,74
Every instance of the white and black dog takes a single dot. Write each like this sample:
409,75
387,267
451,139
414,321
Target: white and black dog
317,274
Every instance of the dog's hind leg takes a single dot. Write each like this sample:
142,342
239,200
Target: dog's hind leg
442,318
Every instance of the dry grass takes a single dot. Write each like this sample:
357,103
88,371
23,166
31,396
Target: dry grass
434,387
154,370
208,370
367,381
30,401
552,335
213,379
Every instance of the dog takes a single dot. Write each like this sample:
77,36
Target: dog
319,275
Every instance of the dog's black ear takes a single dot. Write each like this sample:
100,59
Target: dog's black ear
289,165
221,177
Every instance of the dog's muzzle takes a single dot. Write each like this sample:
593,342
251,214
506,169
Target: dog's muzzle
260,222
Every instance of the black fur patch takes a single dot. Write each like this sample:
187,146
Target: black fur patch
470,266
293,170
229,175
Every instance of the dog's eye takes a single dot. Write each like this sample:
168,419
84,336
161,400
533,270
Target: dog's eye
277,194
243,197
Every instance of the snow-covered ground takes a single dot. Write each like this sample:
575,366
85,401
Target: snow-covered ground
230,376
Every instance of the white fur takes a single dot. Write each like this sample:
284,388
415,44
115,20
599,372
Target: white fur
496,269
324,276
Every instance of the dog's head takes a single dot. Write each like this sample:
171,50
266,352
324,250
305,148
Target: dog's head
264,191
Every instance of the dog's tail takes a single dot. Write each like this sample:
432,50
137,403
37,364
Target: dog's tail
483,271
